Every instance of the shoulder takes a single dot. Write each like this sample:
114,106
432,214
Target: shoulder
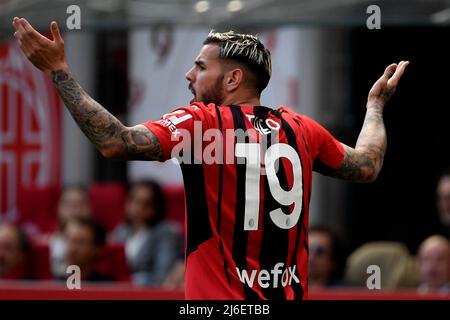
121,232
196,111
301,119
166,228
56,239
57,243
315,133
197,108
286,109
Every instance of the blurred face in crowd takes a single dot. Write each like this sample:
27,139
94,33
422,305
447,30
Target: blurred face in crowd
11,254
443,194
81,247
74,202
206,76
140,207
321,263
434,262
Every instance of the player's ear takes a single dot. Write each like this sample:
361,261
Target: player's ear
233,79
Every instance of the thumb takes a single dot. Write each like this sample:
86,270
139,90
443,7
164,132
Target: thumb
55,32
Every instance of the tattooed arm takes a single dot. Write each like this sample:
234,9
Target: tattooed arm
107,133
363,163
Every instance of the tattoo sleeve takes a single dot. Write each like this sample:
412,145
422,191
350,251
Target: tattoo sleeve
364,162
107,133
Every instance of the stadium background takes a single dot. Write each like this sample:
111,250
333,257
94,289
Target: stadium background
132,56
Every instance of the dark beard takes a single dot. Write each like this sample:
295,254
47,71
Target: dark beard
215,95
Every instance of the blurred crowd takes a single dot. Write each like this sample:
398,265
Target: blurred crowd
426,271
144,249
147,248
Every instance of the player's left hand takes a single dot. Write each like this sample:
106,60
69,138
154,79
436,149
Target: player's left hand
385,87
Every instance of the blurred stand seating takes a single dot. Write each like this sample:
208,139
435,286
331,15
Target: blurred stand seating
175,204
113,263
107,203
40,261
397,266
37,216
37,208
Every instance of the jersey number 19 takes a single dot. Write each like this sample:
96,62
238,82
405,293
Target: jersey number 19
252,153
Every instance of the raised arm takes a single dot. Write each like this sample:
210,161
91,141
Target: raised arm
363,163
107,133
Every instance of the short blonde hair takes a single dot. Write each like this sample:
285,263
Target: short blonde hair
247,49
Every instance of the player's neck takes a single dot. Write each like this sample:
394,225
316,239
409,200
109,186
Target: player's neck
244,101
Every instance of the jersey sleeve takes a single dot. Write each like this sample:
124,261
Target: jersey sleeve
176,127
328,152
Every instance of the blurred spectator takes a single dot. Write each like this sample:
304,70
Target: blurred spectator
14,253
396,265
433,264
85,238
175,279
326,260
152,245
443,202
73,202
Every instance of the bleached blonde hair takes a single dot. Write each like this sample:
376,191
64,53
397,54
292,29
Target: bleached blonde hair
247,49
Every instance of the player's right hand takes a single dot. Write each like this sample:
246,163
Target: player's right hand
44,54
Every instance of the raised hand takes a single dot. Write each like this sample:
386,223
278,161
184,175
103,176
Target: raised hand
46,55
385,87
106,132
363,163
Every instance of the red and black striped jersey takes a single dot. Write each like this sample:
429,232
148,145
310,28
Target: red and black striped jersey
247,174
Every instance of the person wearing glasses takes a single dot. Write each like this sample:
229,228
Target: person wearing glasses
326,258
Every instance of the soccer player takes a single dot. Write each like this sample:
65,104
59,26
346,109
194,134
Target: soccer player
247,210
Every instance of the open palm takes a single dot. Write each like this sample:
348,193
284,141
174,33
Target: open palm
45,54
385,87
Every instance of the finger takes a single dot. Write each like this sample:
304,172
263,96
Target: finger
19,28
31,32
24,47
390,70
55,32
398,73
26,25
14,22
17,36
21,33
24,40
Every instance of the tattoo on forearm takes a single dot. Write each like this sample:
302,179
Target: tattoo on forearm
104,130
141,144
365,161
